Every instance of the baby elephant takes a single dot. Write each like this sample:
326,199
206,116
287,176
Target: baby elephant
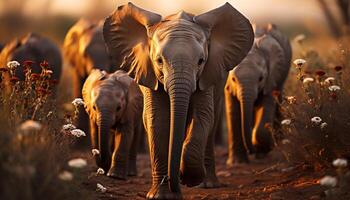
250,104
114,104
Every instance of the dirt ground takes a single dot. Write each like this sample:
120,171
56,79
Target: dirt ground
271,178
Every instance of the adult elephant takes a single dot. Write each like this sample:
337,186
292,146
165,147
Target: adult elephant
250,103
177,61
36,48
85,50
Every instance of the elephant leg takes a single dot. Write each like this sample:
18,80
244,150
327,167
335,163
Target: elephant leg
237,152
94,141
132,169
198,163
262,139
156,117
120,156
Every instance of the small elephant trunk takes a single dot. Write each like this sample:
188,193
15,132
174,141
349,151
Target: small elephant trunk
247,109
105,123
179,90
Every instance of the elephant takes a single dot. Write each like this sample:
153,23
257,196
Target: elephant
250,103
36,48
177,61
85,50
113,102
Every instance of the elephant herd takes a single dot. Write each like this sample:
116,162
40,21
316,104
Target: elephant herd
180,70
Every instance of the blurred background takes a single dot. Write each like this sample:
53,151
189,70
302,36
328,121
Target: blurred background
54,17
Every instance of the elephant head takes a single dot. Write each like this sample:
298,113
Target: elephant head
179,54
256,76
105,101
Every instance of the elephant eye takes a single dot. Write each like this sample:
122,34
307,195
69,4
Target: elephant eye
160,60
200,61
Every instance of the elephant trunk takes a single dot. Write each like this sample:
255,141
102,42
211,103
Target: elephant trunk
105,123
179,90
247,117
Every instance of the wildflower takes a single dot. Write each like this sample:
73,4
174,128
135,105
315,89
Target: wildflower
14,79
291,99
95,152
308,80
100,171
12,65
77,163
329,80
29,126
276,93
68,127
42,90
286,122
299,62
320,73
3,69
101,188
329,181
299,38
323,125
338,68
28,63
316,120
65,176
44,64
35,76
77,132
285,141
341,163
48,72
334,88
78,102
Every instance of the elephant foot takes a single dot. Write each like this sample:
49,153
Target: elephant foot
117,173
132,170
192,177
210,182
162,191
238,159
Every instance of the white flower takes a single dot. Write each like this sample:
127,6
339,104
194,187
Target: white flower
341,163
299,62
285,141
291,99
68,127
329,181
323,125
329,80
95,152
78,102
29,126
308,80
299,38
13,64
316,120
77,163
286,121
101,188
77,132
334,88
65,176
100,171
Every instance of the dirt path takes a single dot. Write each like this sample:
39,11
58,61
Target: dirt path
270,178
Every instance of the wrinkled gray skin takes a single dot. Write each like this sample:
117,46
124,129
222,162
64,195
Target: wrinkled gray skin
35,48
85,50
248,91
113,102
178,61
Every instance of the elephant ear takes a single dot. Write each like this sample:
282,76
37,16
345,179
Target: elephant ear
276,60
94,76
230,39
125,32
